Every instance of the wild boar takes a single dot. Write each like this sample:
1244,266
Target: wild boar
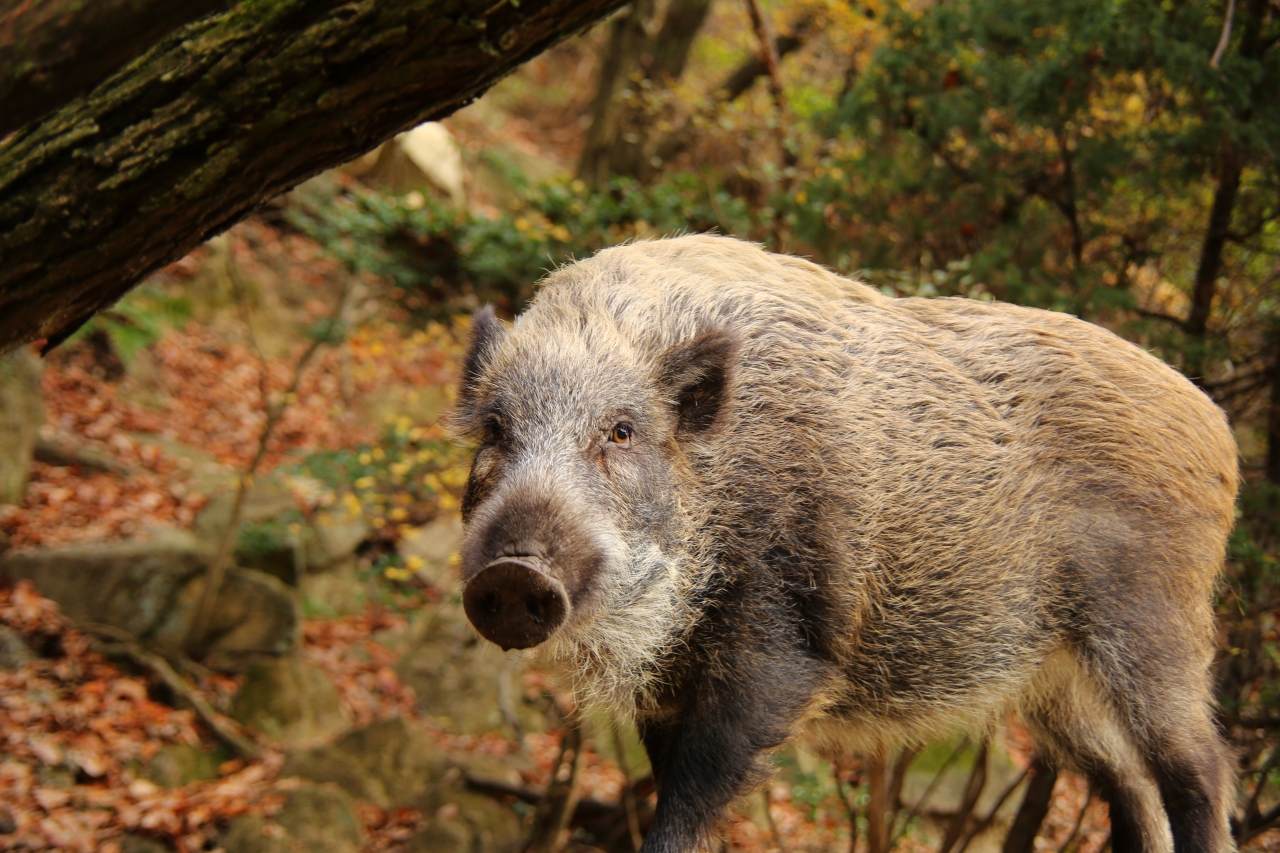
747,500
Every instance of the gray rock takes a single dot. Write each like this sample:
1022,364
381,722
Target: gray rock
390,763
432,148
134,586
443,835
395,763
208,475
471,822
151,589
334,594
435,544
256,617
461,680
21,415
332,540
14,651
272,548
313,819
267,499
291,700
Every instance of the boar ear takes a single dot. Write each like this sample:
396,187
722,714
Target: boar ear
486,332
696,375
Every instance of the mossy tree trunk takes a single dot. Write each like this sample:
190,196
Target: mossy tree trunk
223,113
54,50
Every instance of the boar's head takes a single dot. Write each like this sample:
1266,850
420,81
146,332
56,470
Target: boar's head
577,532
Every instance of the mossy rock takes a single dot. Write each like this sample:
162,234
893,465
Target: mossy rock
14,651
178,764
313,819
291,700
390,763
471,822
257,617
462,680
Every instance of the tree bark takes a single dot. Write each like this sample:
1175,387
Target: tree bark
1273,413
621,60
223,114
1231,161
53,50
734,86
1215,239
671,47
618,141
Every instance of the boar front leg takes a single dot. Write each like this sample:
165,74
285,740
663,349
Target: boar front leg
717,742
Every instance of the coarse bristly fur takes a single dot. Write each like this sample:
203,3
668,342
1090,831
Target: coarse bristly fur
784,505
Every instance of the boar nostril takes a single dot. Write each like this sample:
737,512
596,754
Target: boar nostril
514,603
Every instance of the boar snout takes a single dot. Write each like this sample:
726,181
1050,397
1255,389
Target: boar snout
530,563
514,603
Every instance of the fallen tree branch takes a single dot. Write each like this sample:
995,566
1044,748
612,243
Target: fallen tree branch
114,641
65,454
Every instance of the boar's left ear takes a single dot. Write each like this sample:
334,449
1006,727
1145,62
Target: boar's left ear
696,375
486,332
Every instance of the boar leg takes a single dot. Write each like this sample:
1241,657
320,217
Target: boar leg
715,746
1073,721
1193,773
1167,708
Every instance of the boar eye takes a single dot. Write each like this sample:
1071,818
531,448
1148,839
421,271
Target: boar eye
621,435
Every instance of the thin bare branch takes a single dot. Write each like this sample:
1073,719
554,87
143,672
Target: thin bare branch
197,637
628,788
115,641
929,789
558,803
1225,38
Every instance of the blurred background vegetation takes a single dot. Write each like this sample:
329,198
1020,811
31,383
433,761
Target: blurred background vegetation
1115,159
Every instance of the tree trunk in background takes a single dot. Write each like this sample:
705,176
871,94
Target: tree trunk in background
221,115
619,63
734,86
54,49
661,67
1035,805
1273,413
1215,241
1231,161
618,141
